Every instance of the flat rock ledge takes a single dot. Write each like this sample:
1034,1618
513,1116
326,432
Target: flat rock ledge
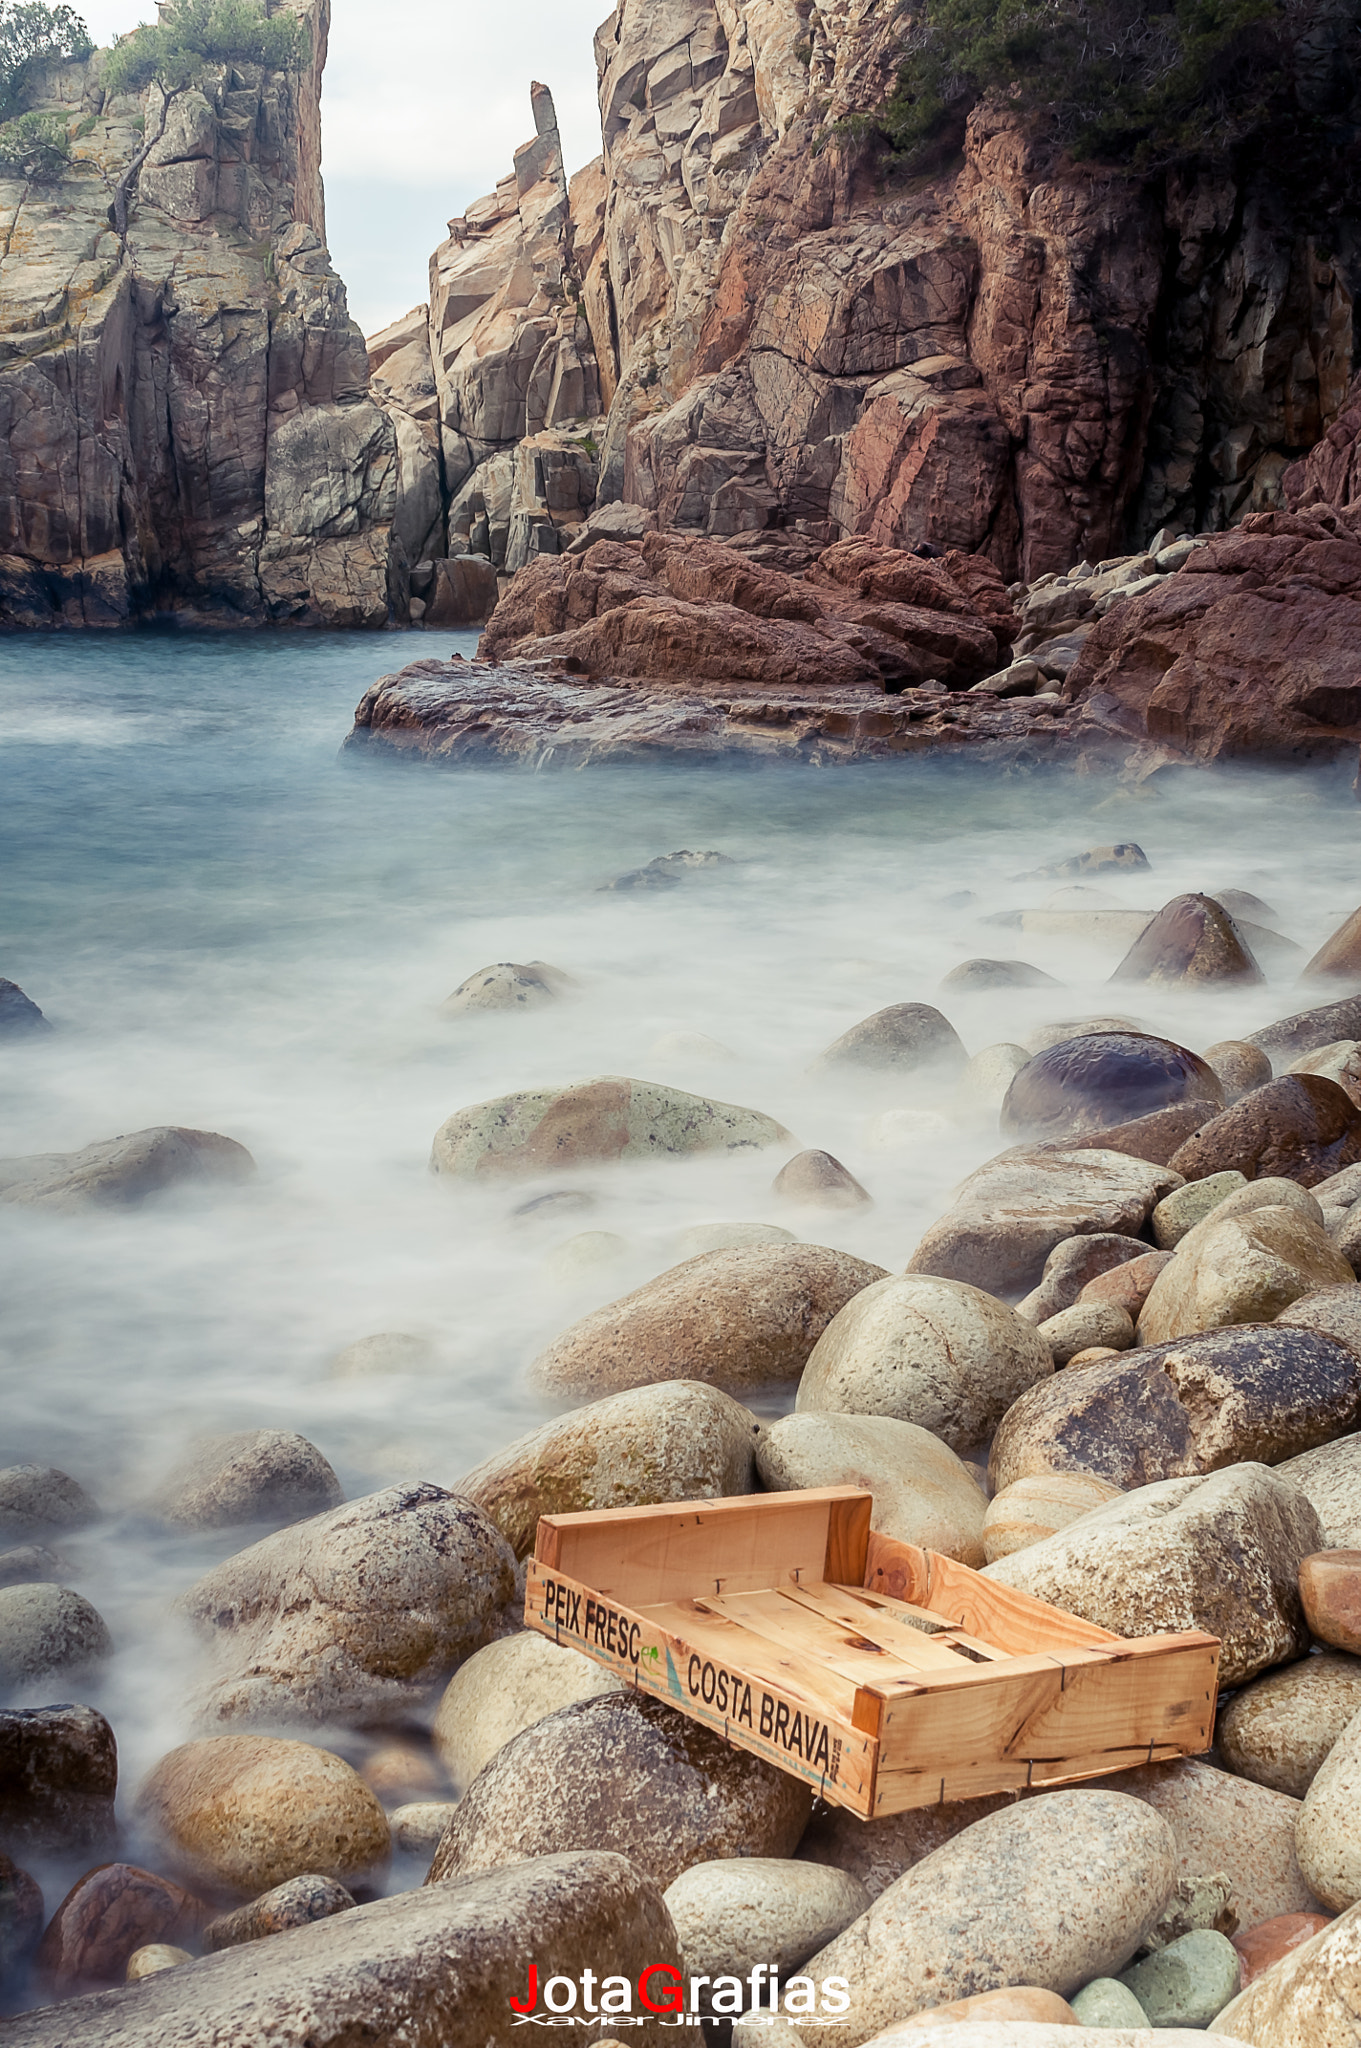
540,714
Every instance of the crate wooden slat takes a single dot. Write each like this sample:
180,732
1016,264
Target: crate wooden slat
885,1676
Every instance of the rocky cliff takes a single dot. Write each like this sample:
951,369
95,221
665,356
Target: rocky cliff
739,317
185,425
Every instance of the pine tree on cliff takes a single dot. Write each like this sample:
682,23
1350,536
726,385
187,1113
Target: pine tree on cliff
177,53
32,36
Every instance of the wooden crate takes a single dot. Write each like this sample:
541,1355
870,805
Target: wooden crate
886,1676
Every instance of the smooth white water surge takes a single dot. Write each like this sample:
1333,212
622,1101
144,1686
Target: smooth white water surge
234,927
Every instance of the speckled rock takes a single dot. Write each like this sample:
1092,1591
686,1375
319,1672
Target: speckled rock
47,1632
1309,2000
1085,1326
257,1475
644,1779
1192,943
745,1910
677,1440
1072,1266
934,1352
1279,1729
1155,1137
32,1564
1030,1509
1326,1836
58,1777
729,1237
1197,1902
37,1500
354,1616
1219,1553
1289,1036
152,1959
551,1130
1186,1984
507,985
878,1852
417,1828
107,1914
1237,1066
1217,1398
819,1181
21,1920
1225,1823
1128,1286
923,1493
739,1320
906,1038
1186,1206
1103,1078
1340,1062
1007,1217
1240,1269
239,1814
1334,1312
1261,1947
1330,1588
1051,1893
297,1903
432,1966
506,1688
1106,2002
1299,1126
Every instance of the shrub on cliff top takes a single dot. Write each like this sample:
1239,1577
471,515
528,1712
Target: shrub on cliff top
192,34
36,147
1142,81
32,35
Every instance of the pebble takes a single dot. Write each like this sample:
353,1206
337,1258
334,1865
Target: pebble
1072,1266
819,1181
1196,1902
643,1779
1186,1206
1107,2002
1261,1947
923,1493
583,1255
418,1827
677,1440
1330,1589
739,1320
504,1689
47,1632
1087,1324
296,1903
1279,1729
537,1130
152,1959
1188,1983
271,1476
906,1038
1127,1286
1030,1509
1238,1066
398,1772
1016,2002
937,1353
38,1500
744,1910
354,1616
1219,1553
1327,1840
240,1814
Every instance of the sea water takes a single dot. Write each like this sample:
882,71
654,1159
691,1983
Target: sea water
234,926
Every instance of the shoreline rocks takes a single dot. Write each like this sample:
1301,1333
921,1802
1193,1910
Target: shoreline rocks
549,1130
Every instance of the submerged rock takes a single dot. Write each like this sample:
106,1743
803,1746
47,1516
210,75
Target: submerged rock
1192,942
906,1038
507,985
48,1634
1307,1030
120,1171
548,1130
58,1777
20,1016
257,1475
105,1917
820,1181
1339,957
38,1500
1103,1079
738,1320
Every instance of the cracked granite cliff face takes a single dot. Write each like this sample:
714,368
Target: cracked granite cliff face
186,428
736,319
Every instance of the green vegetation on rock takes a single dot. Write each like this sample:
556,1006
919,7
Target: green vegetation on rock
193,34
1136,81
36,147
31,36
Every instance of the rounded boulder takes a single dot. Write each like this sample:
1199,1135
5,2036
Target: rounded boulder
505,1688
1278,1730
923,1493
1103,1079
938,1353
1030,1509
258,1475
745,1910
552,1130
46,1631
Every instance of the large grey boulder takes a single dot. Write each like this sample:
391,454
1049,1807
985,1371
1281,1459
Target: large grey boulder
630,1773
546,1130
121,1171
740,1320
1008,1216
1220,1553
254,1475
354,1616
38,1500
435,1968
49,1635
1051,1892
677,1440
1196,1404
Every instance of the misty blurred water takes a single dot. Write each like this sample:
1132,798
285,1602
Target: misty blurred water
234,927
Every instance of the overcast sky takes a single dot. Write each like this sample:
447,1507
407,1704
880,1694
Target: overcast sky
422,105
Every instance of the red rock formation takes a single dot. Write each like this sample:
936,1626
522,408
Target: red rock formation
1252,648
